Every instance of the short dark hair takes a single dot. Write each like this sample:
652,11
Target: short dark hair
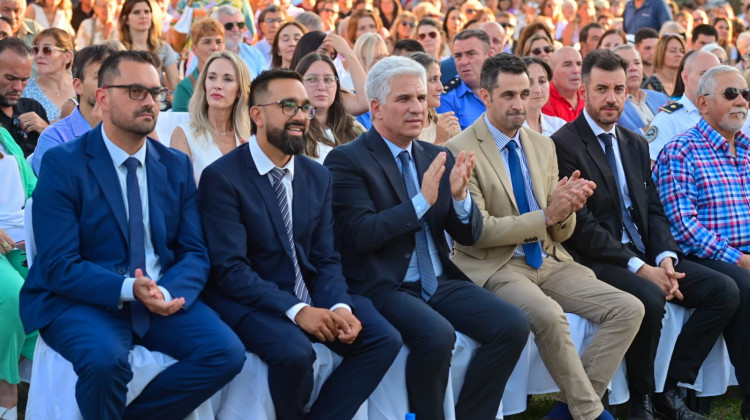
260,86
645,33
111,66
407,45
16,45
536,60
583,36
602,59
308,43
704,29
473,33
91,54
500,63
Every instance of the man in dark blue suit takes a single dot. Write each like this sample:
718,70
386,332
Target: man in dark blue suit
121,259
276,278
393,200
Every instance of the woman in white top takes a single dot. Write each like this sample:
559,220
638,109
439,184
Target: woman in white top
52,14
438,128
331,126
100,27
219,115
540,74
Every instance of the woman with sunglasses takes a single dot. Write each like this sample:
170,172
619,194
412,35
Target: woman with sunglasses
540,75
539,46
452,24
536,28
667,58
219,114
53,56
140,30
402,28
431,36
331,126
285,42
438,128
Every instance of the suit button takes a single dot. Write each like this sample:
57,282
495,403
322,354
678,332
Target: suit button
120,270
407,255
408,224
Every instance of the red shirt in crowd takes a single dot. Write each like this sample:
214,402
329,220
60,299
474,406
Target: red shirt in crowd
558,106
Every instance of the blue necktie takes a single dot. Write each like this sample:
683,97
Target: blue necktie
424,262
533,250
627,221
139,317
300,288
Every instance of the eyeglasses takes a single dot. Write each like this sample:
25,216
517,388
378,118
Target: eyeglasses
549,49
470,11
432,35
290,108
312,80
731,93
507,25
230,25
328,11
138,92
277,20
409,24
45,49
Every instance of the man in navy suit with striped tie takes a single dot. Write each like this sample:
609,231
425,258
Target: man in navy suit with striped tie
276,279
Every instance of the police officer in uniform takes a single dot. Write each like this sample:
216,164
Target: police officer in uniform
683,114
471,48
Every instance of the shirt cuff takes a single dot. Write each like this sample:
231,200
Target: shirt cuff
463,208
635,264
666,254
341,305
292,312
420,205
126,291
167,295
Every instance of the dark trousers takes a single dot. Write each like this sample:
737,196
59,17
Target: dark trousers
737,332
97,343
712,294
428,330
289,354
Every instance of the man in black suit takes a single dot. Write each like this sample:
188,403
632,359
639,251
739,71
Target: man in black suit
393,198
276,279
623,236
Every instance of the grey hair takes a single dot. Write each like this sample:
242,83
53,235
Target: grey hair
626,47
226,10
743,35
709,80
378,82
711,47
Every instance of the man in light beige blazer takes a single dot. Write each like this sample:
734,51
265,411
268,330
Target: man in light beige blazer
527,212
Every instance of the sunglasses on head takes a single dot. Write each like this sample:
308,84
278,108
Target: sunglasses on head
45,49
549,49
731,93
230,25
409,24
432,35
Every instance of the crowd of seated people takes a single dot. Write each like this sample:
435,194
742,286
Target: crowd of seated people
369,175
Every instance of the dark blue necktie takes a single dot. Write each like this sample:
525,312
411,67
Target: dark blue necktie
532,250
627,221
139,317
424,262
300,288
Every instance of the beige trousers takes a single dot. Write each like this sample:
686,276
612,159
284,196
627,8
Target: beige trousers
545,295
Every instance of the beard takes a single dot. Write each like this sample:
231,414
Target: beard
598,116
289,145
734,125
132,124
5,102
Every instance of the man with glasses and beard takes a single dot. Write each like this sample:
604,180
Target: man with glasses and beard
24,118
702,177
86,115
121,258
277,280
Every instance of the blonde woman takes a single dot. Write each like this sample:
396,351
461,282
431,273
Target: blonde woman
52,14
219,115
369,49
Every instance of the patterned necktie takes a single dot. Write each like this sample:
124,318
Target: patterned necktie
139,317
627,221
424,262
532,250
300,289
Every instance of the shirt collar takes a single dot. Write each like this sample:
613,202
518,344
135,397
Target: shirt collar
717,141
78,123
463,89
263,163
595,127
395,149
119,156
500,138
688,104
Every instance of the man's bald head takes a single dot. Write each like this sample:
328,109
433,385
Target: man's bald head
696,64
566,70
497,35
561,54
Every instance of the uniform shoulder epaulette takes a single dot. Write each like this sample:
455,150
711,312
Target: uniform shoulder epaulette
452,84
671,107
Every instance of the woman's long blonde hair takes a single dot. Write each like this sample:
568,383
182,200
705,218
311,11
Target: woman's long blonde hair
199,123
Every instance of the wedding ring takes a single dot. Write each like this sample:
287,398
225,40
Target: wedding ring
28,123
6,245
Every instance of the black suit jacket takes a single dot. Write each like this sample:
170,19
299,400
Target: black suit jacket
599,229
251,264
375,221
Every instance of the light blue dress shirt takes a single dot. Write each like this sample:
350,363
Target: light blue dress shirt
61,131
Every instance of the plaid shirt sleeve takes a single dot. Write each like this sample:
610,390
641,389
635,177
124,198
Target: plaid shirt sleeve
674,173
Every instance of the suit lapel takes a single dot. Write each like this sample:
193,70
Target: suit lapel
156,175
266,192
594,149
300,203
383,156
105,174
490,151
537,178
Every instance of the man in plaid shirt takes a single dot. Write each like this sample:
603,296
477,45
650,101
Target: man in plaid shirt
703,179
